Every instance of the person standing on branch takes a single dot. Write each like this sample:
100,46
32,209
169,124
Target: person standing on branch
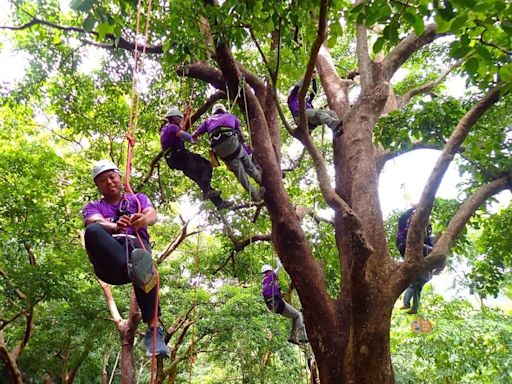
194,166
274,300
315,116
117,255
226,141
413,292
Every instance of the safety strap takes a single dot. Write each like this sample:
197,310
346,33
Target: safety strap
220,131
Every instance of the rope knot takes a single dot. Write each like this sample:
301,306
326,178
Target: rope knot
131,140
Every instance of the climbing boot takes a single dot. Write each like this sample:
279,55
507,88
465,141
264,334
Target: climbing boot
225,205
141,270
161,349
210,194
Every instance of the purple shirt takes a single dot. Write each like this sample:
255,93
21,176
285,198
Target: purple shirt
219,120
293,101
169,137
403,225
111,211
270,287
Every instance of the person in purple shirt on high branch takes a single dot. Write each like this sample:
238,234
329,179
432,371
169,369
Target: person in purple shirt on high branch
275,303
194,166
111,225
315,116
413,292
226,141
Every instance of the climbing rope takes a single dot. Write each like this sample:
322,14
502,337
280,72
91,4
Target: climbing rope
192,357
130,137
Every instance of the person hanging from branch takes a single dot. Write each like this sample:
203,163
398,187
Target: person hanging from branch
194,166
413,292
274,300
315,116
226,141
112,224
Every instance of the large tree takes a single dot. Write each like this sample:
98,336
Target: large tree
251,52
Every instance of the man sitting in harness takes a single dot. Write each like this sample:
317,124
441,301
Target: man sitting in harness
226,141
275,303
194,166
112,247
315,116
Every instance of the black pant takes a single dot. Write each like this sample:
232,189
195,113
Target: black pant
108,257
195,167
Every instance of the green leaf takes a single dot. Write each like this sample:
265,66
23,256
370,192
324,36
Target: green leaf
82,5
379,43
442,24
507,26
89,23
104,29
409,18
457,51
458,23
506,72
483,52
331,41
419,25
358,8
472,66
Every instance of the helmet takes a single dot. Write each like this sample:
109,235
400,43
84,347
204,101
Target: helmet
173,111
102,166
218,107
266,268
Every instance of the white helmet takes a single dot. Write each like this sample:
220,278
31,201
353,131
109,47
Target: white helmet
173,111
266,268
102,166
218,107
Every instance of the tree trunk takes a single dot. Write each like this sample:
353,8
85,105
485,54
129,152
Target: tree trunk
127,329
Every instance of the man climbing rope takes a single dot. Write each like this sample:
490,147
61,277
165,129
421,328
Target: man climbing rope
111,244
275,303
226,141
195,167
315,116
413,292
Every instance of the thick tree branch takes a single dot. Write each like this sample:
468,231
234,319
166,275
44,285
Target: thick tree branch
114,312
240,245
427,87
363,59
26,335
9,361
321,35
383,156
336,88
303,211
406,48
333,199
121,41
422,213
204,72
459,220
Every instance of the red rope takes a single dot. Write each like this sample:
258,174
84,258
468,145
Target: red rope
134,108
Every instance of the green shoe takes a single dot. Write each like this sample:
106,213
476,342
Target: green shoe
141,270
